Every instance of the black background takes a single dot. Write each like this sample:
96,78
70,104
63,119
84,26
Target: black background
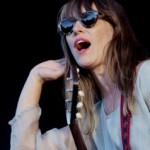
28,37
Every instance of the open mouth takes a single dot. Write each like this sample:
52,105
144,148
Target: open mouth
82,45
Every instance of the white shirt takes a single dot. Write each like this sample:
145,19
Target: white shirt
26,135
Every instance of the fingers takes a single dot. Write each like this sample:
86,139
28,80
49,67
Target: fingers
62,60
49,70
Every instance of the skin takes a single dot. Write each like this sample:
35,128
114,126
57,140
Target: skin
48,70
98,35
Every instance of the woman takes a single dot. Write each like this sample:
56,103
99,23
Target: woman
97,38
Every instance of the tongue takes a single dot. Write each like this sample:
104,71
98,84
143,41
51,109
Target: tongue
83,45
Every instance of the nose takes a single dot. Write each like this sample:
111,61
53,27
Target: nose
78,27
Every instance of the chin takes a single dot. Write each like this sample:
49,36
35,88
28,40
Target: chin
85,66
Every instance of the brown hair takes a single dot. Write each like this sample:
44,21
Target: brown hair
121,55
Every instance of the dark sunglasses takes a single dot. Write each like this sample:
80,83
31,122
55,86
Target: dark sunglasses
88,20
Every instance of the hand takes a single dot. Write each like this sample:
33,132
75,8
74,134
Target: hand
49,70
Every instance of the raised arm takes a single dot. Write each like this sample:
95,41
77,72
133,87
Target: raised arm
48,70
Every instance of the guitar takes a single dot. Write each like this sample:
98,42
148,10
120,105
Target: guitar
71,109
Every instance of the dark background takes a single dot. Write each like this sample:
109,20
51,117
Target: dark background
28,37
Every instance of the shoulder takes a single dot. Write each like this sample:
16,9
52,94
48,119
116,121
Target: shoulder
143,68
143,79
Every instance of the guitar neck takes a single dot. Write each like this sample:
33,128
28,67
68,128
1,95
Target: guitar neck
76,133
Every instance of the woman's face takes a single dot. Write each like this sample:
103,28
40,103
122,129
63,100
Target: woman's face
97,37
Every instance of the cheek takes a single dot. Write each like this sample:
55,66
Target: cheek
104,31
70,44
105,36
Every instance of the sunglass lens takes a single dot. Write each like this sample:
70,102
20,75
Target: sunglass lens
89,19
66,26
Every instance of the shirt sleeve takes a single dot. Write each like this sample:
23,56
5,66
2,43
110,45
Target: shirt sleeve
144,82
26,135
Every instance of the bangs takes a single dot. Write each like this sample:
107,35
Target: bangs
73,9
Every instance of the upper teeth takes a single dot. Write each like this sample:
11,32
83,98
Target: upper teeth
80,41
